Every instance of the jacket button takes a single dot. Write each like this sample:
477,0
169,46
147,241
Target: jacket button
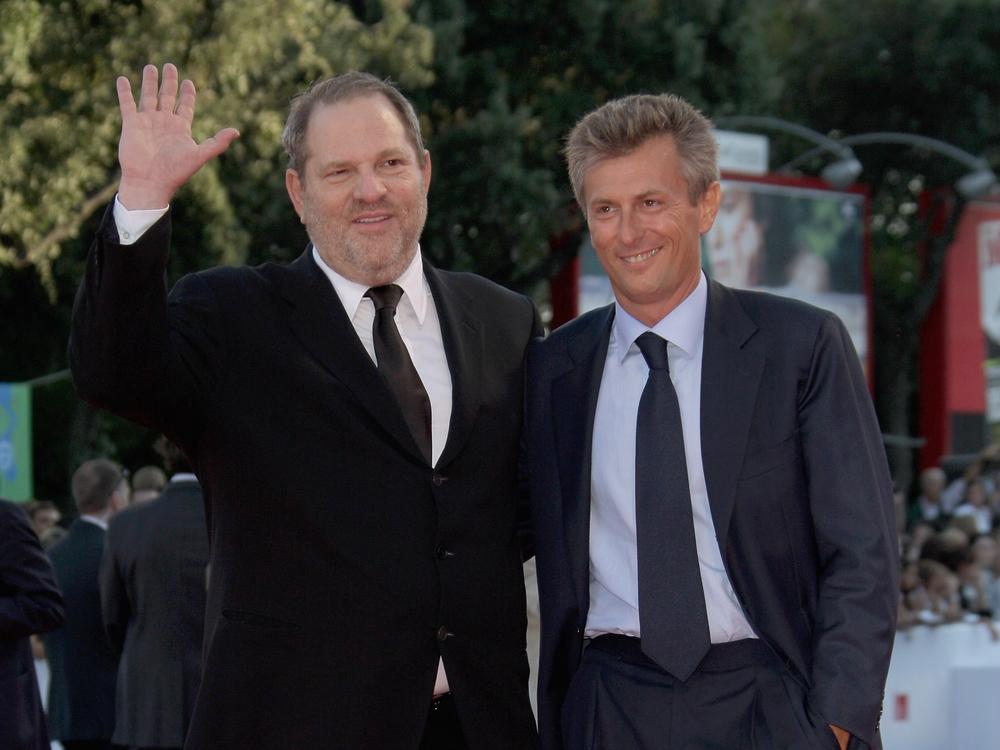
437,479
443,634
442,552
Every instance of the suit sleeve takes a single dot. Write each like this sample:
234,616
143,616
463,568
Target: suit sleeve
131,351
525,531
115,608
850,496
30,600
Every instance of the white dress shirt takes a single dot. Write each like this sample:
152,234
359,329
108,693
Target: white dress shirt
614,581
99,521
416,319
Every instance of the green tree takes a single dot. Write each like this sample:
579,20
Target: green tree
512,79
928,68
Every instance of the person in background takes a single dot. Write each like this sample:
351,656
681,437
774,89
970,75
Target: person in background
153,601
44,516
82,665
30,603
147,483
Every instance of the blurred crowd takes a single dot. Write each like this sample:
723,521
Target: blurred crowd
122,667
949,537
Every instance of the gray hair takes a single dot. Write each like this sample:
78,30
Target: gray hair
620,126
352,85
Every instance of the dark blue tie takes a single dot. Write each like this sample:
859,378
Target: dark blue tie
396,366
672,617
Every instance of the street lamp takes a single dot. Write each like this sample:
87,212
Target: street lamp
838,174
975,183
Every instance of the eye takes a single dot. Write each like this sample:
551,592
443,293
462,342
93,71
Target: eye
650,203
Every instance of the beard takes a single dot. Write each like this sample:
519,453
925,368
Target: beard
370,259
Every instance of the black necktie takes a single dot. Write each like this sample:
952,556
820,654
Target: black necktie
673,621
396,366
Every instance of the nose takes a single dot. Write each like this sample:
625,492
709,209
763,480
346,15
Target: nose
630,230
369,188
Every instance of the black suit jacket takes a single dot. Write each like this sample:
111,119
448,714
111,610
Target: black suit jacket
30,602
153,598
797,481
342,565
82,664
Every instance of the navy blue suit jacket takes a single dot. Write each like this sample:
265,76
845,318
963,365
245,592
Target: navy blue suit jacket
797,481
30,602
83,666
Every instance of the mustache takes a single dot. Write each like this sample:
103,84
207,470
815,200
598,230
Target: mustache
382,204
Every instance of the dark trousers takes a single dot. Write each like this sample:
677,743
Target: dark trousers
741,697
87,745
443,731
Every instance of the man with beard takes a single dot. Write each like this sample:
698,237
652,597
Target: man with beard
354,420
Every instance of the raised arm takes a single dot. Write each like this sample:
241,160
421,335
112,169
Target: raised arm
156,150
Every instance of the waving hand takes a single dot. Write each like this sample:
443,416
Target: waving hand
156,151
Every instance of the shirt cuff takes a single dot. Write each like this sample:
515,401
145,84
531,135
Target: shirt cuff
133,224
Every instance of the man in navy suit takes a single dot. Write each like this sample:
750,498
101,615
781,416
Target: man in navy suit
711,500
82,685
30,602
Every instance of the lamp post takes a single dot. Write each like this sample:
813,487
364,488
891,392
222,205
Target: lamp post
837,174
974,184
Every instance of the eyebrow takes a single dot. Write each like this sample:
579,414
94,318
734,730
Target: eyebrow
641,197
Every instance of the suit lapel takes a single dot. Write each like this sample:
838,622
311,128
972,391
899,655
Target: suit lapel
462,333
574,402
321,324
730,379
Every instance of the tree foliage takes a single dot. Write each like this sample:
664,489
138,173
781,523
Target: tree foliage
928,68
59,120
512,79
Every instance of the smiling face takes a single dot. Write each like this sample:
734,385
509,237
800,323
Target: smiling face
362,194
645,229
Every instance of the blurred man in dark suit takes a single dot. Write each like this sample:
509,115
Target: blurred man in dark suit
82,686
30,602
153,599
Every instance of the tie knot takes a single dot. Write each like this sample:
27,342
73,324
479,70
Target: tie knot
385,296
654,351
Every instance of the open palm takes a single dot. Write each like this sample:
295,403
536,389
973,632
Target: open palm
156,150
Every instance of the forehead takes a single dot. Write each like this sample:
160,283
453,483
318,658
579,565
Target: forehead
351,128
654,166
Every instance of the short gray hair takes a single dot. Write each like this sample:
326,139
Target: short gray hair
620,126
352,85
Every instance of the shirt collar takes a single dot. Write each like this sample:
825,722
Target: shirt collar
183,476
412,282
684,326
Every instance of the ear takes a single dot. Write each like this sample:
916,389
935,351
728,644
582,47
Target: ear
293,185
708,207
427,170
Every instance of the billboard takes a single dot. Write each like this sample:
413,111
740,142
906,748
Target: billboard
796,239
988,246
15,442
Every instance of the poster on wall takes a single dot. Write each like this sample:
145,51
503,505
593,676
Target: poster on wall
988,244
794,240
15,442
